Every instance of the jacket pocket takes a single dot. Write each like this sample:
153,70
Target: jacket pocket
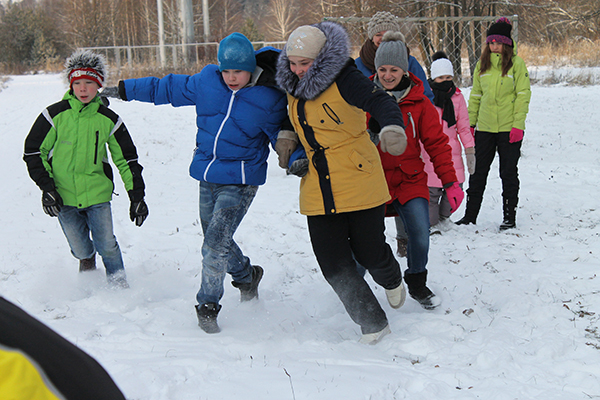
96,148
411,169
331,114
360,162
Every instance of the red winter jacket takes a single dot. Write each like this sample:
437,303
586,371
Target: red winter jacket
405,174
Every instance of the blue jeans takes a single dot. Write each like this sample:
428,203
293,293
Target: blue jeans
78,223
415,216
222,208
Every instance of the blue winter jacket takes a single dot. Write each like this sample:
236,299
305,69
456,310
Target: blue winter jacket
413,66
234,128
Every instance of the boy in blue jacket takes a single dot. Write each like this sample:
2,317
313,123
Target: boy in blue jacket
238,112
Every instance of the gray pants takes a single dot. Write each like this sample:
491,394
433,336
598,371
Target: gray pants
439,208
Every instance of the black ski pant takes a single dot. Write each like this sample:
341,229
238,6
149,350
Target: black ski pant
335,238
486,146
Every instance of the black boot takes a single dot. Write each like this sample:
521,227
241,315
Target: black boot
473,206
419,291
249,291
510,214
87,264
207,317
402,248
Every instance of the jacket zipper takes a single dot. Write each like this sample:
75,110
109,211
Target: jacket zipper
218,135
329,111
96,152
412,122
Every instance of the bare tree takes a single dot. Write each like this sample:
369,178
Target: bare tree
226,18
283,19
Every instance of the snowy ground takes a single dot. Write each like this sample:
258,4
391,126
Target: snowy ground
519,318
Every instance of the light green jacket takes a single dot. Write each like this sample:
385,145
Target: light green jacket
499,103
67,149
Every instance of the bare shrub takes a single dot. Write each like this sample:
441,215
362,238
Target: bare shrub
572,53
141,71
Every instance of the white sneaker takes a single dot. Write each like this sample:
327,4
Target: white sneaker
397,296
374,338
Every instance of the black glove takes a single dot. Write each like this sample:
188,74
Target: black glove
110,91
51,202
298,167
374,130
138,212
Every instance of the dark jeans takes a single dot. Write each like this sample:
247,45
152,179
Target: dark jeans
222,208
335,238
486,145
415,217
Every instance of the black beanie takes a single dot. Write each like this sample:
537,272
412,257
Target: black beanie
499,32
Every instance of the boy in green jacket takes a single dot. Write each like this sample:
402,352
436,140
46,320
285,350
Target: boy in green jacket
66,156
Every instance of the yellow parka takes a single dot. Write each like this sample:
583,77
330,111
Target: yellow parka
355,175
327,108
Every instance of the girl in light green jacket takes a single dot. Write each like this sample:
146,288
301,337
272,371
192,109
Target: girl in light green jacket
498,106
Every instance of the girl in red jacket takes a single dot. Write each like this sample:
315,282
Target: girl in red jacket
405,174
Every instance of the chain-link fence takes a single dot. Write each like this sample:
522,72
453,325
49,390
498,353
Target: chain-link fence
461,38
178,58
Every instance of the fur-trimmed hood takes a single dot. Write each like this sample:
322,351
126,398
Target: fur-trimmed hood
329,63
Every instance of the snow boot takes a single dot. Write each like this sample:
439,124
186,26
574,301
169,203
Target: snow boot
396,297
207,317
402,249
510,215
118,280
419,291
374,338
249,291
87,264
473,206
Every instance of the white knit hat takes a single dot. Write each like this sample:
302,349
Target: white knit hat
306,41
441,67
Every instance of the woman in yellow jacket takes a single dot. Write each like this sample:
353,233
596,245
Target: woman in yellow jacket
344,191
498,106
37,363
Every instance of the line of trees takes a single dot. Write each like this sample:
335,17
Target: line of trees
35,34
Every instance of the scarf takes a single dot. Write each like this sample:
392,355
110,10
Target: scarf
400,90
367,54
442,98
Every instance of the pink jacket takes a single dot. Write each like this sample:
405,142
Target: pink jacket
460,129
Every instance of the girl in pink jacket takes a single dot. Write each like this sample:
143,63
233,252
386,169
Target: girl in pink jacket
452,108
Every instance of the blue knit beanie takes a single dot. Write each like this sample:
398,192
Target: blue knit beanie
236,52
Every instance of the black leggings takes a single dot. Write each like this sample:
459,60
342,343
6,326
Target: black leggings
334,239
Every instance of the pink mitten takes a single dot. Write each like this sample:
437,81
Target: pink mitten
472,131
516,135
455,196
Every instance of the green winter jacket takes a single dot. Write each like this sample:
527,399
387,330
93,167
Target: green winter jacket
498,103
66,149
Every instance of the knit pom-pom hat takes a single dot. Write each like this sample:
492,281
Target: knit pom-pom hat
382,21
500,31
85,64
392,51
441,66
